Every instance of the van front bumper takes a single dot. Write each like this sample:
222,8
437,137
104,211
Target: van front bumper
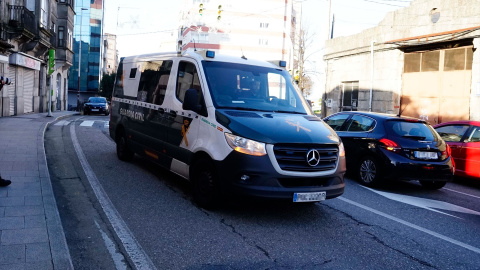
255,176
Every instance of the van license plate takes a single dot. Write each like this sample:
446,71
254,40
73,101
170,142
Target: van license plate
426,155
309,197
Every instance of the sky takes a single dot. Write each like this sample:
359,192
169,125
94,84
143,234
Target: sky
142,26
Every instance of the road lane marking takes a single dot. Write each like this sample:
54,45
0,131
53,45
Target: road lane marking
136,253
118,258
466,194
87,123
62,123
428,204
413,226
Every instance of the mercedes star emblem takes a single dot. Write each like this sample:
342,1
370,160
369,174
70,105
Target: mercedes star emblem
313,157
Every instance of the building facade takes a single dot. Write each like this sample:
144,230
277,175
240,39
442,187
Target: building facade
28,30
88,47
260,29
110,55
421,61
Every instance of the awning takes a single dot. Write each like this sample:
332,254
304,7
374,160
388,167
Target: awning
434,38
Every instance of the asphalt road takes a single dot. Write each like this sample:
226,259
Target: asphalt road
119,215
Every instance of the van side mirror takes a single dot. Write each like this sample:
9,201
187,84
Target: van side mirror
190,101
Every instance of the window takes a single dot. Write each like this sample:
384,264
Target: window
336,121
61,36
430,61
411,62
154,81
133,73
474,135
44,14
187,78
452,133
360,123
70,39
350,96
263,25
263,41
458,59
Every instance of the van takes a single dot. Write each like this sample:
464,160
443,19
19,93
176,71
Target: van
230,125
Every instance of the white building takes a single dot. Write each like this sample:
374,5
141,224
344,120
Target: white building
260,29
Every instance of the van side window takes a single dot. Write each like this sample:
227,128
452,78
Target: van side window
187,78
153,81
133,73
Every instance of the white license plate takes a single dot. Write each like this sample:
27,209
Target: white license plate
94,110
309,197
426,155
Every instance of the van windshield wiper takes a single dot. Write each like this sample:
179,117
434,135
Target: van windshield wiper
243,109
289,112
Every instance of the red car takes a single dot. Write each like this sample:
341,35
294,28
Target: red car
464,140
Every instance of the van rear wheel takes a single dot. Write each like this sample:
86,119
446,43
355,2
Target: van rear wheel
206,190
123,152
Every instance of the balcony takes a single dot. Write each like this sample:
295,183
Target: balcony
21,21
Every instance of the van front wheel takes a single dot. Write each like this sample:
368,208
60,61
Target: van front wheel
123,152
206,191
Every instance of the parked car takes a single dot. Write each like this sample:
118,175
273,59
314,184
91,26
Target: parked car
463,137
96,105
382,146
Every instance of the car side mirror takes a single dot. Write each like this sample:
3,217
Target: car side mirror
191,102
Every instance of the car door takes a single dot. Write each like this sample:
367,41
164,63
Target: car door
453,135
355,136
470,152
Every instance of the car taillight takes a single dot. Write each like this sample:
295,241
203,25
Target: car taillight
447,152
390,145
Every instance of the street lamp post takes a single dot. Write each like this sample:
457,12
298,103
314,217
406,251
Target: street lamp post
79,56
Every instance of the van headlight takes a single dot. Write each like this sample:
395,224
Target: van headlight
245,146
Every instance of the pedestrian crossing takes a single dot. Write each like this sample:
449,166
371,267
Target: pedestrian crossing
85,123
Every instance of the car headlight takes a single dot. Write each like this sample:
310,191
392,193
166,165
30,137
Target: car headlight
341,150
245,146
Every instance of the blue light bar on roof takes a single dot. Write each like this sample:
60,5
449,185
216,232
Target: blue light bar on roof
282,63
210,54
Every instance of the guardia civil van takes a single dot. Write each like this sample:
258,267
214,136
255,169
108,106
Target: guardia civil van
230,125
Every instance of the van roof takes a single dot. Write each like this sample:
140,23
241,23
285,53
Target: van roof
199,55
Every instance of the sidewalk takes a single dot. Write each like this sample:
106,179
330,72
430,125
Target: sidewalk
31,233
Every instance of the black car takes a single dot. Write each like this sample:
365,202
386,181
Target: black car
96,105
382,146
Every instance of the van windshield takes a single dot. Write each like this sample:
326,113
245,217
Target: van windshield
247,87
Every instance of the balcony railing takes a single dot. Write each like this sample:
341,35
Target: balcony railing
22,18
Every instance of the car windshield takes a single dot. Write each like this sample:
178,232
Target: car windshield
247,87
411,130
97,100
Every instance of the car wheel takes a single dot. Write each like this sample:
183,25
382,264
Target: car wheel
433,184
206,190
369,173
123,152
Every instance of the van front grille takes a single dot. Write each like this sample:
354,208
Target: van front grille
293,157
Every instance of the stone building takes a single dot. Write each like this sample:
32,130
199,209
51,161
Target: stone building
28,29
421,61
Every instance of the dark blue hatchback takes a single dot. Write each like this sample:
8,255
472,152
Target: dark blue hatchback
382,146
96,105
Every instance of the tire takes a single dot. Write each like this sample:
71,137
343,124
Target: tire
206,189
432,185
123,152
368,171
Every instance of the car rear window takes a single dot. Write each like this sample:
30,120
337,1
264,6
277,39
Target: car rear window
411,129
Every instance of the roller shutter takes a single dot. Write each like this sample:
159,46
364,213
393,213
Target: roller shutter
28,84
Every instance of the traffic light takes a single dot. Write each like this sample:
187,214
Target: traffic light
219,12
200,11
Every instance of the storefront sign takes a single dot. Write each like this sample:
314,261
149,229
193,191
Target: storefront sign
24,61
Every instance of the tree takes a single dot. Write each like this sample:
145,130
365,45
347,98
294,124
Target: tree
106,85
303,61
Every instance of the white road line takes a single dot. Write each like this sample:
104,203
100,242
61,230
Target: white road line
413,226
466,194
62,123
87,123
132,247
118,258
